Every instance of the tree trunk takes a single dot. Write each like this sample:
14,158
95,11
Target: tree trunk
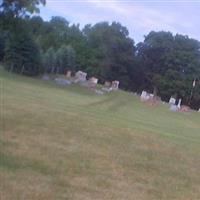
12,67
155,91
52,69
22,70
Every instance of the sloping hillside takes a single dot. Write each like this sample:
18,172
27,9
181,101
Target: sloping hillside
69,143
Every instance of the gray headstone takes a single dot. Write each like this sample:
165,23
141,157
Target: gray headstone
63,82
173,108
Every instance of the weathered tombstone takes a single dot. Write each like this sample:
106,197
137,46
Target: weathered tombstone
68,74
179,103
80,77
115,85
172,101
143,96
92,82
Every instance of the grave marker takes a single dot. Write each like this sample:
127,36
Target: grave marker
92,82
115,85
80,77
68,74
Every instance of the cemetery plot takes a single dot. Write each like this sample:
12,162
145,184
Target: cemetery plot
67,143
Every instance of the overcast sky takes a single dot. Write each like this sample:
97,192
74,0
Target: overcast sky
139,16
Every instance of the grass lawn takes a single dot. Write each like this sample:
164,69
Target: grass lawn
69,143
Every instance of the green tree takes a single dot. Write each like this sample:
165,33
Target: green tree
20,7
49,60
112,52
169,64
65,57
2,44
22,54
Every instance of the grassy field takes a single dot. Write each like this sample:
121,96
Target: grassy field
69,143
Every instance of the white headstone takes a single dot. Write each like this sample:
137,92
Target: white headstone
179,103
143,95
172,101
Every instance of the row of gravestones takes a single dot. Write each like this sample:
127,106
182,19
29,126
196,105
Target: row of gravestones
148,97
81,78
178,107
145,96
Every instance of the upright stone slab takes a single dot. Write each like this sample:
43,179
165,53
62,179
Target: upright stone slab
68,74
92,82
143,96
80,77
179,103
115,85
172,101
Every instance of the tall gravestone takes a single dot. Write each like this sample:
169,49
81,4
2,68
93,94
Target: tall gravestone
68,74
115,85
80,77
179,103
92,82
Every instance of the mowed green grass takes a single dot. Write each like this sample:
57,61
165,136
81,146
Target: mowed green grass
69,143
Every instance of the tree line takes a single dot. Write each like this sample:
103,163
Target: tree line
163,63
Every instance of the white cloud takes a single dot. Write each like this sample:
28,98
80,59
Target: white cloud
138,17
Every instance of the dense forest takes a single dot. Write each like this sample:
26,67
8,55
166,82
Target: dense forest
163,63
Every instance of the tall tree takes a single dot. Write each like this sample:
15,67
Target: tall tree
169,64
22,54
20,7
49,60
113,51
65,57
